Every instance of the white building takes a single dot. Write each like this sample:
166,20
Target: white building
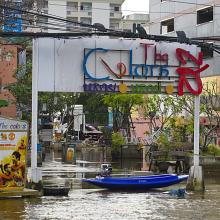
197,18
106,12
133,20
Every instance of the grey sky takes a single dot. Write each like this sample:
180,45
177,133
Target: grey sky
135,6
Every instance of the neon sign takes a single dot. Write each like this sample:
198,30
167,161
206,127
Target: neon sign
130,72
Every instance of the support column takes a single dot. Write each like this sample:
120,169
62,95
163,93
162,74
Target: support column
196,178
144,162
35,171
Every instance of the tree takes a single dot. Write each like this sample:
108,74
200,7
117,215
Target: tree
122,105
21,90
210,107
161,108
94,107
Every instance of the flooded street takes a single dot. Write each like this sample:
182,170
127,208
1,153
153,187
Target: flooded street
101,204
89,204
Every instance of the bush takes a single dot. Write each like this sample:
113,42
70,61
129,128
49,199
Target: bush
214,149
117,141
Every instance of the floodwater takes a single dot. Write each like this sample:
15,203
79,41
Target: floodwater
98,204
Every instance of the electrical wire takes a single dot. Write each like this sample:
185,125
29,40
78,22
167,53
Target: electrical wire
46,16
31,21
113,33
55,18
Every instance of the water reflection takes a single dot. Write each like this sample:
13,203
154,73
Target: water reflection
103,204
89,204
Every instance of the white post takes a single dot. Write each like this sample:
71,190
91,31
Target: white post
35,172
196,178
196,130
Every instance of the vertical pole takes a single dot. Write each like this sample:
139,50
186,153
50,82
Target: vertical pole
35,173
34,107
144,165
196,130
196,178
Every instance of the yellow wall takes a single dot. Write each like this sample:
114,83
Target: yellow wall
208,80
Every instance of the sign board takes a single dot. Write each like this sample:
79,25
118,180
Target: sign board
13,150
12,18
46,135
118,66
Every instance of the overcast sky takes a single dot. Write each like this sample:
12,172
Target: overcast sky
135,6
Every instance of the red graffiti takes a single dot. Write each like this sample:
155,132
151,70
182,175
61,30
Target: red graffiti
182,56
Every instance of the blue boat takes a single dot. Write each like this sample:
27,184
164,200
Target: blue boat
136,182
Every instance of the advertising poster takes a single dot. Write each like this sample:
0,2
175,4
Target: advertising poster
13,151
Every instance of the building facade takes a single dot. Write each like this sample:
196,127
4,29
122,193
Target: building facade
131,21
106,12
8,67
197,18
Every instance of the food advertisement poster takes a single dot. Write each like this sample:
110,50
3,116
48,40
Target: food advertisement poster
13,151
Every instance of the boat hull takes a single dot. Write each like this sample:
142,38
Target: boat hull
136,182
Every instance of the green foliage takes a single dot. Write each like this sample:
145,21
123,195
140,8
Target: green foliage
163,106
107,134
95,108
121,105
214,149
163,142
117,141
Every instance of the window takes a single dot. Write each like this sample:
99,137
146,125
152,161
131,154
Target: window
205,15
86,6
72,6
116,8
69,25
167,26
114,26
45,4
207,52
86,20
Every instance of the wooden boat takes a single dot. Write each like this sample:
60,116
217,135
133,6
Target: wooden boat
54,190
137,182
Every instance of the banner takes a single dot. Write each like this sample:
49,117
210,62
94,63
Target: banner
13,151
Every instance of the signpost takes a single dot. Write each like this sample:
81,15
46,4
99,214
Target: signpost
104,65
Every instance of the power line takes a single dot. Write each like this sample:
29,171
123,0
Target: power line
47,16
31,21
54,18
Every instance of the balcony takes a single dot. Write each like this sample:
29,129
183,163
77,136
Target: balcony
115,15
79,13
